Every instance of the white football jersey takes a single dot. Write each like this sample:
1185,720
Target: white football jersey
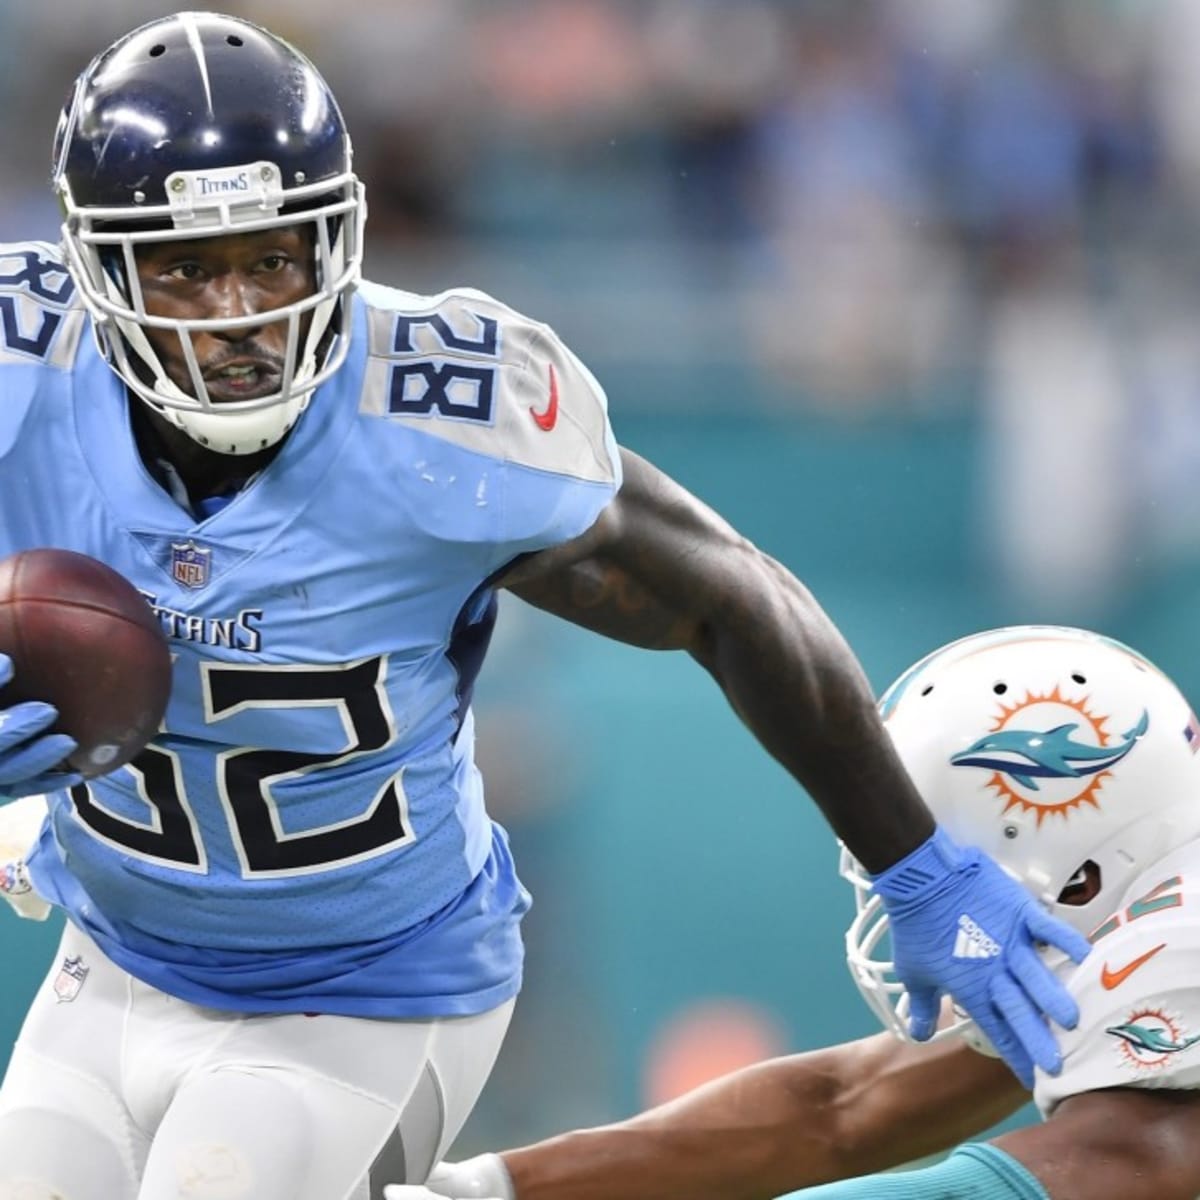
1138,991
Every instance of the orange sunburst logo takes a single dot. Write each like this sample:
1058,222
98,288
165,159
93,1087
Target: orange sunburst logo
1149,1037
1048,754
1045,711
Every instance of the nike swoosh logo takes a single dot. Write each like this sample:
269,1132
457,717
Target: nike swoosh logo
549,415
1111,979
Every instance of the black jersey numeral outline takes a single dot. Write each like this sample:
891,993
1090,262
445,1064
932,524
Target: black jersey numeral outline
249,779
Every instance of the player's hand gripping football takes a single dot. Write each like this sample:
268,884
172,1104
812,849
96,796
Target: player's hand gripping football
481,1178
30,756
960,925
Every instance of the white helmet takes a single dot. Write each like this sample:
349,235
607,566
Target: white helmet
1063,754
200,125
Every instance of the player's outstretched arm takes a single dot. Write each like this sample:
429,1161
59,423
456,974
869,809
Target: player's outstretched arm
765,1130
662,570
780,1125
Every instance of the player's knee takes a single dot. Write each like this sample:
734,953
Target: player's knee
208,1171
34,1166
29,1189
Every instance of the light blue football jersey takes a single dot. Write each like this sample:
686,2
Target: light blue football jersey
307,832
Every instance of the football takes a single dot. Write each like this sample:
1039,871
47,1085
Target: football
83,638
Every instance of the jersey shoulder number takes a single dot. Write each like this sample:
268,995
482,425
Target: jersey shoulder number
468,369
40,316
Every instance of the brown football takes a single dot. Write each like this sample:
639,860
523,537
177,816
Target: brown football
83,638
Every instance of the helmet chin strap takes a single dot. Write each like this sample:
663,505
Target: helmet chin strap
224,432
237,433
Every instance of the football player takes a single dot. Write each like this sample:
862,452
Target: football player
1073,761
292,939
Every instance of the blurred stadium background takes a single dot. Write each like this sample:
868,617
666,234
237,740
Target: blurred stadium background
906,289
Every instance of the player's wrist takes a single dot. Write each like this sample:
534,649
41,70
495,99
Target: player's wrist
921,869
492,1178
484,1177
17,889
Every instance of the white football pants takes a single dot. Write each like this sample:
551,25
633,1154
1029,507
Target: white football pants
117,1091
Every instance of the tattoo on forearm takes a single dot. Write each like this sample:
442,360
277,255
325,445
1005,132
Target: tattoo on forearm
603,597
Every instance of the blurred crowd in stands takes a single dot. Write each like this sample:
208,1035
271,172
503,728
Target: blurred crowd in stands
855,210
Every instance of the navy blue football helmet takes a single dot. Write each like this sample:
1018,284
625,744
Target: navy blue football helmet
202,125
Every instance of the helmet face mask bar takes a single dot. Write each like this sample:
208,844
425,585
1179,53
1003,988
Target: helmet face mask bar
166,138
868,953
1066,756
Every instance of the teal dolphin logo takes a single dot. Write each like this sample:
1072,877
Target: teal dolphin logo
1150,1040
1031,754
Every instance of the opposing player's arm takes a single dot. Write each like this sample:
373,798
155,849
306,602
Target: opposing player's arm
759,1132
780,1125
662,570
1116,1144
860,1108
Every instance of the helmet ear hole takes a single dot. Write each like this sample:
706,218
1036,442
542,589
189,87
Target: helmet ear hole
1083,886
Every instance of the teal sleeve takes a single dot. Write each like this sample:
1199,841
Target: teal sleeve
973,1172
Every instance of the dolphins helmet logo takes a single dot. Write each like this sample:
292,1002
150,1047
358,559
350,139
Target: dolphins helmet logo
1049,754
1149,1037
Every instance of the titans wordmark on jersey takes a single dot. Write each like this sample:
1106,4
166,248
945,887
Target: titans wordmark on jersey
1138,991
308,831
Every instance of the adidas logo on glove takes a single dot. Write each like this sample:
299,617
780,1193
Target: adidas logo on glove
972,942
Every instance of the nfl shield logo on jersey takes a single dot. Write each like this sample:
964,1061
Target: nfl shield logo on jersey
190,564
70,978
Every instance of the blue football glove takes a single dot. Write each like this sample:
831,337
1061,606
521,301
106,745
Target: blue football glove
960,925
29,757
